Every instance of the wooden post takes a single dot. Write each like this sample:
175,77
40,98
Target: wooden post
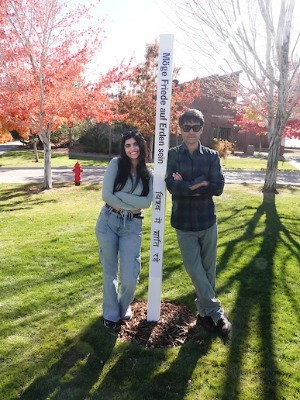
162,129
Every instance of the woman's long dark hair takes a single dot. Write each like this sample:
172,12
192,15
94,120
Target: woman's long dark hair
124,169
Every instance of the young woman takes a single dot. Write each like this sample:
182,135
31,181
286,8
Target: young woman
127,189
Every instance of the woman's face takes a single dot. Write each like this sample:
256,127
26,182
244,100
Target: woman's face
132,149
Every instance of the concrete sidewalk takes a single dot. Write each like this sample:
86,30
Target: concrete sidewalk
59,175
95,174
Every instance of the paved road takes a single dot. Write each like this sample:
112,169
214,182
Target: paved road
9,146
95,174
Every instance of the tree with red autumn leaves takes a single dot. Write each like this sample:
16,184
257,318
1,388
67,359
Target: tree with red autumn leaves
249,121
250,118
45,48
137,96
251,115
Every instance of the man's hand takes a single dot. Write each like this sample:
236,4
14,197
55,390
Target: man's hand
198,185
177,177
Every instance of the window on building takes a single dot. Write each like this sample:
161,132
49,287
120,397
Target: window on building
221,133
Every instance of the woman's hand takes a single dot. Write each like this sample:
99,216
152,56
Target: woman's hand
176,176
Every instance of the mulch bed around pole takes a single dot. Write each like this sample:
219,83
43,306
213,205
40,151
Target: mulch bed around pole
177,324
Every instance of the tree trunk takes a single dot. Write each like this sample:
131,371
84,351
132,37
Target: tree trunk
272,165
150,148
269,199
71,142
260,139
36,154
109,140
45,138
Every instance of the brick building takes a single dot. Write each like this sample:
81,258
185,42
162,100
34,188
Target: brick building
218,95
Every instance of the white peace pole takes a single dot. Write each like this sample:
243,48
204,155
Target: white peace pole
162,128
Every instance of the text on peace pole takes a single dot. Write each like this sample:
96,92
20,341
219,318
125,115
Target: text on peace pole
163,100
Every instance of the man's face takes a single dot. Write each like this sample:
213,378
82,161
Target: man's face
191,132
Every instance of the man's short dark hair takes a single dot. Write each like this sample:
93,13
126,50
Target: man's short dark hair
191,115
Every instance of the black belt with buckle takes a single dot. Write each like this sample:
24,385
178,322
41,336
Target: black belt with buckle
134,215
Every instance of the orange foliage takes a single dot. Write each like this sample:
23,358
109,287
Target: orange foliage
5,137
45,47
137,98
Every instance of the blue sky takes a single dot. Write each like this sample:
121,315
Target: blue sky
130,25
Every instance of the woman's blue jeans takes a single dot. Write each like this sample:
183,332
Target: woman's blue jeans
119,238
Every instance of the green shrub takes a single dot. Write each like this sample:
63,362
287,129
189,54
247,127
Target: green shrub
223,147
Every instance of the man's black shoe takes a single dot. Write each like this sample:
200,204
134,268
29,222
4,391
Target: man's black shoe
223,325
207,323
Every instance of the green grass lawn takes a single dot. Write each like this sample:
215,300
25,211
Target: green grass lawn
253,163
25,158
52,343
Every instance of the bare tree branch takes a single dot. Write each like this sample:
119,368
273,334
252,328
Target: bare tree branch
261,37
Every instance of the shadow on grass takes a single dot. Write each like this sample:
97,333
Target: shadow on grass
76,372
93,368
19,197
148,374
142,373
256,281
92,186
23,154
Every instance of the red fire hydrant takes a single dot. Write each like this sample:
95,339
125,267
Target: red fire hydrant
77,171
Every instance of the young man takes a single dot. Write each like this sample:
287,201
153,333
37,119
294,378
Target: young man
194,176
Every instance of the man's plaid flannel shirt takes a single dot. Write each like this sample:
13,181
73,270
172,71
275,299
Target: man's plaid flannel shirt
190,212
